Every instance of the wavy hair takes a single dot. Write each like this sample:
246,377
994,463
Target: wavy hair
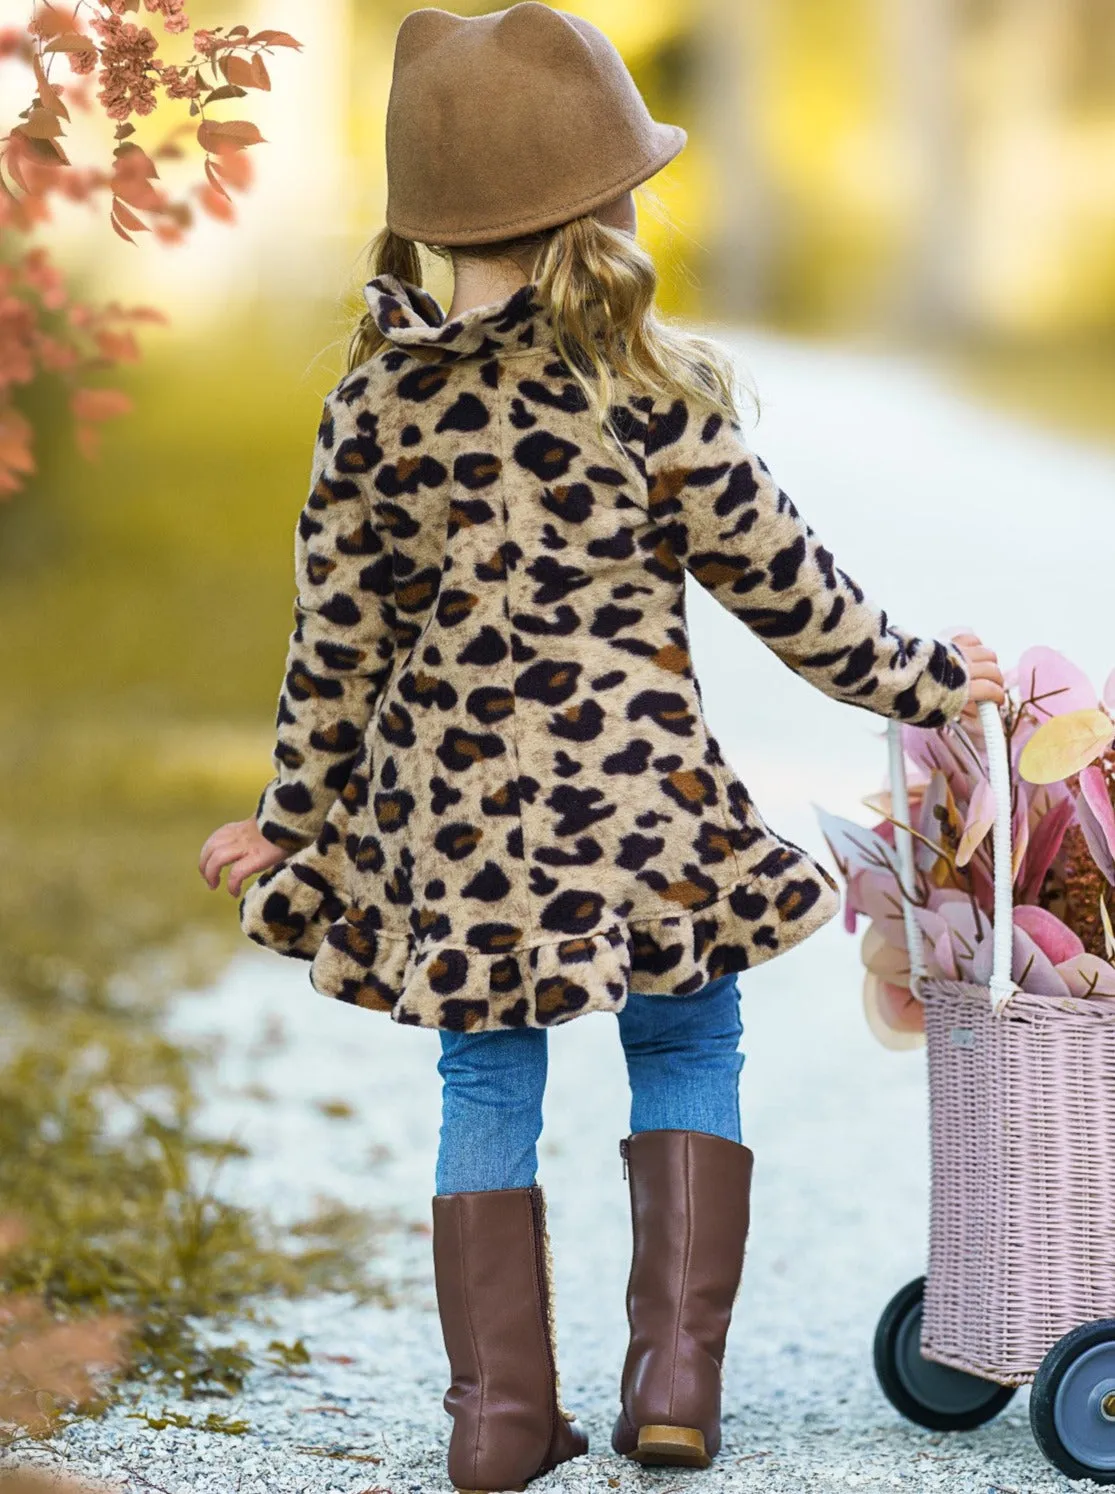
599,285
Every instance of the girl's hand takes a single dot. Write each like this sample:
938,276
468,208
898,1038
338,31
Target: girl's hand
242,848
985,678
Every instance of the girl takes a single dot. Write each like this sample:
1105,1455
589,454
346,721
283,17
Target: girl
496,804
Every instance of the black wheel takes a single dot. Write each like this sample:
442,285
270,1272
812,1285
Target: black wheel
930,1394
1072,1405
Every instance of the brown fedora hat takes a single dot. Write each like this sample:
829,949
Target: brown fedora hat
503,124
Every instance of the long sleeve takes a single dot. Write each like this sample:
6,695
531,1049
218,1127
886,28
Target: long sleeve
341,647
731,526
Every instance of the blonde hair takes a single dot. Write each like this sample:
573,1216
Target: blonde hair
599,285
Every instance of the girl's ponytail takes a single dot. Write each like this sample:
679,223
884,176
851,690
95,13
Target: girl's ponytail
388,254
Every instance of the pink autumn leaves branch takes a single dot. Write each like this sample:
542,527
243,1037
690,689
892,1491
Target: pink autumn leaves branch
43,328
1060,732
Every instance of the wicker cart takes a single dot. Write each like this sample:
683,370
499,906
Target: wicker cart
1021,1281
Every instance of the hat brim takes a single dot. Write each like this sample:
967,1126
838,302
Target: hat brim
668,141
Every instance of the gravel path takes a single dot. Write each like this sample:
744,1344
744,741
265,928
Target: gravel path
838,1130
837,1124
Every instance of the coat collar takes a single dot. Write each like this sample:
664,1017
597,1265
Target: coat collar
406,314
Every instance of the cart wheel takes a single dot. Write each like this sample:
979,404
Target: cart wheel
930,1394
1072,1405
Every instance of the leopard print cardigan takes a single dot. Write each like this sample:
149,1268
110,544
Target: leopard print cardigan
501,802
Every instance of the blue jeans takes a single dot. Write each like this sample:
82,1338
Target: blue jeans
683,1065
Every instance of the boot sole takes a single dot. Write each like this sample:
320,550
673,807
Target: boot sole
675,1447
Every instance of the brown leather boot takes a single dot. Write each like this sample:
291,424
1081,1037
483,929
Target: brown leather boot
690,1207
491,1271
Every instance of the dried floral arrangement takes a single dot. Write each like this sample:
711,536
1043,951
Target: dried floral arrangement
1059,732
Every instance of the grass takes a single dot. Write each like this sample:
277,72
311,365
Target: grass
106,1165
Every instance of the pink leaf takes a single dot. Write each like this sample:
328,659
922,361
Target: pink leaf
878,896
970,925
854,846
1054,938
982,962
1088,975
885,959
936,753
1032,970
968,940
851,917
938,811
885,831
894,1015
1093,785
978,823
945,957
1095,825
1045,842
1057,682
932,925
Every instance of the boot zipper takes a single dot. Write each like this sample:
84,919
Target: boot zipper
624,1152
544,1299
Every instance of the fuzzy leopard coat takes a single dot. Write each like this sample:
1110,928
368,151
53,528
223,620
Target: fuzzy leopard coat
501,802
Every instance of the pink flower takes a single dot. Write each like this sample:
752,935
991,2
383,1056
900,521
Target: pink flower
206,42
83,62
180,83
174,16
127,55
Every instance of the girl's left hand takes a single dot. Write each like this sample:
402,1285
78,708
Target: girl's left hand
243,849
985,677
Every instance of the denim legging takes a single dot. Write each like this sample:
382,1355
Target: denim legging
683,1065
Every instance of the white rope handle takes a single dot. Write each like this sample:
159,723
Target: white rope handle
904,844
998,769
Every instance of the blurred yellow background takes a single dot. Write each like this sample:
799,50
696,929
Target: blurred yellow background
851,163
935,175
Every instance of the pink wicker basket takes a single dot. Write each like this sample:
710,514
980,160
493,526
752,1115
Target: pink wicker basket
1022,1124
1022,1217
